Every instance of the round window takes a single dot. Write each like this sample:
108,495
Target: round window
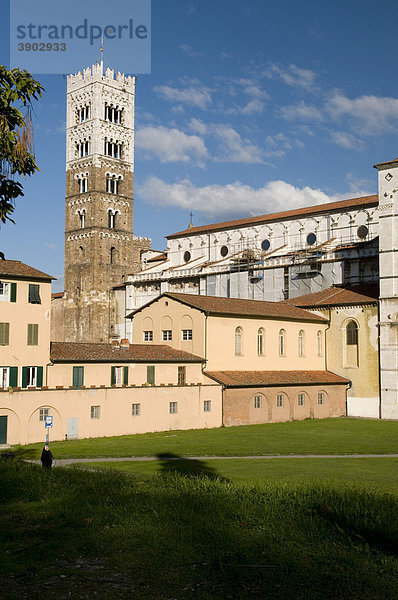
224,251
311,239
187,256
362,232
265,244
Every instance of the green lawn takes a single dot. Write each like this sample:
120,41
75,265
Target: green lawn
80,535
371,473
326,436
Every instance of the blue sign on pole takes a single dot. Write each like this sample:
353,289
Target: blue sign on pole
48,422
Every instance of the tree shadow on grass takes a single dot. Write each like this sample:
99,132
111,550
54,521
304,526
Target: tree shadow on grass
187,467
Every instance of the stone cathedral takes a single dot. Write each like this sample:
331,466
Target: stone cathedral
100,248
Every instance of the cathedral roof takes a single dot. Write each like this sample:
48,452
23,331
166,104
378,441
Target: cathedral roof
239,307
275,378
82,352
364,201
18,269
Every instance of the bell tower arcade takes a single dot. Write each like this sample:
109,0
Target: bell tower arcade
100,249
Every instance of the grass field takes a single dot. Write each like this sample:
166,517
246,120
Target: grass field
326,436
79,535
368,473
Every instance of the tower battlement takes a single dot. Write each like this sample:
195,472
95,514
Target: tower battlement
95,73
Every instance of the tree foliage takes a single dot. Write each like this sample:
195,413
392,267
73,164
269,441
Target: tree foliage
17,90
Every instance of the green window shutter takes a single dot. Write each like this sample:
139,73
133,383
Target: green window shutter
13,378
24,377
33,334
39,377
34,294
13,296
4,334
150,374
78,376
125,375
113,375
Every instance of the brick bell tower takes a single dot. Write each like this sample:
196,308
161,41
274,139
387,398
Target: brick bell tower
100,249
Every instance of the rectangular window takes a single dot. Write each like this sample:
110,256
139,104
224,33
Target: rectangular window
78,377
321,398
95,412
43,413
150,374
32,377
173,408
182,374
4,334
34,294
4,377
207,405
4,291
136,410
167,335
148,336
279,400
187,334
301,400
257,401
33,334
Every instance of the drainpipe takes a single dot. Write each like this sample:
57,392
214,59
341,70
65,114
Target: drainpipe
50,364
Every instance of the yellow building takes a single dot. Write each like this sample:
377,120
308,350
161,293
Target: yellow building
25,299
352,348
268,356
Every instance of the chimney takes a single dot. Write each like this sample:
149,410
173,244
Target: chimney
124,343
115,344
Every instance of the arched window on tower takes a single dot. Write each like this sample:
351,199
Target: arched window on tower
113,255
113,148
82,216
83,184
112,218
112,184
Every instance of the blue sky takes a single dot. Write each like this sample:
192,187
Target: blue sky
251,107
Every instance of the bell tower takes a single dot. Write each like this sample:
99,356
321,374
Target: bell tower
100,249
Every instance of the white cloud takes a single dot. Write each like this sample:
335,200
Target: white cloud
197,126
292,75
187,49
371,115
232,148
170,145
346,140
301,112
236,199
198,95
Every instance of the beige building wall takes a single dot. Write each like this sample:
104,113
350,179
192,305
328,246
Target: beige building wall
213,338
221,345
239,404
359,364
96,374
115,411
19,314
168,314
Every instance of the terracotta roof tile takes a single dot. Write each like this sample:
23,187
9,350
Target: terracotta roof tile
55,295
308,210
337,296
239,307
16,268
275,378
80,352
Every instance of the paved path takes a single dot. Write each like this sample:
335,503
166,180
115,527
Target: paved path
69,461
